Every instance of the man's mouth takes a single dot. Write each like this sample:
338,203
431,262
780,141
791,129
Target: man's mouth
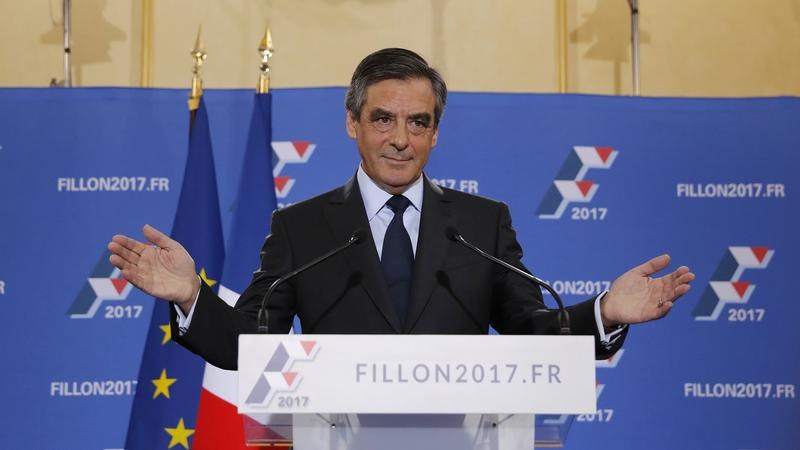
396,158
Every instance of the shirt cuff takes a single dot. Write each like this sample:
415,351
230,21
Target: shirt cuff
607,338
184,320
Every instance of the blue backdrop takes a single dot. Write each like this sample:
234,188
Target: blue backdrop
595,185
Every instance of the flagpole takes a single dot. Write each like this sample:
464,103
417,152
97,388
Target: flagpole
634,5
199,55
67,50
266,51
561,45
146,53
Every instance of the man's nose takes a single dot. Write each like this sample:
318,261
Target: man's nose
399,138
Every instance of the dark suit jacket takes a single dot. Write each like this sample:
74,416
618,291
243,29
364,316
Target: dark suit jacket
454,291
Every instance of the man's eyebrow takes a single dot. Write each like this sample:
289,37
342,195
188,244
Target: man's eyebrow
380,112
424,117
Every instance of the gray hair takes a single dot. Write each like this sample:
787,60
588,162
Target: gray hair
393,64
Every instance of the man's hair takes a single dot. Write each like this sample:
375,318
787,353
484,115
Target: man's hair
393,64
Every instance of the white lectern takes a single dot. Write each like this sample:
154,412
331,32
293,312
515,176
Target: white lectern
410,391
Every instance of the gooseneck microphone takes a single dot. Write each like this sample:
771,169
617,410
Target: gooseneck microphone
563,315
263,327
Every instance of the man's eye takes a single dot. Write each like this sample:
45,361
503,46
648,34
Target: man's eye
419,124
383,120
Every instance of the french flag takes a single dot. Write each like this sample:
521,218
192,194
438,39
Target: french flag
219,424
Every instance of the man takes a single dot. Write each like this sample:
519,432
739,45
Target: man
408,276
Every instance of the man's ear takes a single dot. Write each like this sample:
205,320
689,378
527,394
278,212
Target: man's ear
435,137
352,124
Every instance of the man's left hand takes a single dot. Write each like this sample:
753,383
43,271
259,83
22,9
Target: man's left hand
636,297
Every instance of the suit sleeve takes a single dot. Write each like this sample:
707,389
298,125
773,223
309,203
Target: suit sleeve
216,326
518,306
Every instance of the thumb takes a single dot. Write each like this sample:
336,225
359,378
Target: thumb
654,265
156,237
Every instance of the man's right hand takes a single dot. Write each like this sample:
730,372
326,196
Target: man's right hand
164,269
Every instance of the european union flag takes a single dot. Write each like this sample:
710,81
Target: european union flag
165,406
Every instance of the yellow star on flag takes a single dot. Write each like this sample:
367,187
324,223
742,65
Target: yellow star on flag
205,278
179,435
167,333
162,384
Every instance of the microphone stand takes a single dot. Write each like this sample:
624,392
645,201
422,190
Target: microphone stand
263,327
563,315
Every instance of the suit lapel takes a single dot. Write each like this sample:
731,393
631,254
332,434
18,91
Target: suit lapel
345,214
432,246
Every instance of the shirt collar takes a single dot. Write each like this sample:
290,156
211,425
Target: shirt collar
375,198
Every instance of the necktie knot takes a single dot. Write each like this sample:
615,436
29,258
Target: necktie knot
398,204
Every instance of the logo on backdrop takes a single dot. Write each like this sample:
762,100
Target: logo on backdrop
609,363
569,185
726,286
288,152
277,376
104,283
601,415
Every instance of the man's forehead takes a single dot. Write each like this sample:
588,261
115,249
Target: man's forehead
414,94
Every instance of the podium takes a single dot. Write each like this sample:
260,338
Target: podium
413,391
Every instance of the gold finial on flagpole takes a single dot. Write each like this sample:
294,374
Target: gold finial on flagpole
266,50
199,55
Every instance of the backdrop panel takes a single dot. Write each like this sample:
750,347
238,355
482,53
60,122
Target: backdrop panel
595,186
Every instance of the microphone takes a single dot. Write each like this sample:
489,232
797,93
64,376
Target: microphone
563,315
355,238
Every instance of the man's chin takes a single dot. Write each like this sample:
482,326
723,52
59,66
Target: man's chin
397,185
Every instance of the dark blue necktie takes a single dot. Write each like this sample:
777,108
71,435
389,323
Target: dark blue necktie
397,257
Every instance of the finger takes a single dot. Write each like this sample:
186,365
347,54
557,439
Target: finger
679,276
679,271
128,255
127,270
664,309
677,293
156,237
653,266
120,263
129,243
686,278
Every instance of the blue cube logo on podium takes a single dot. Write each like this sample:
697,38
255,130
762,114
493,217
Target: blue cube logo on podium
277,375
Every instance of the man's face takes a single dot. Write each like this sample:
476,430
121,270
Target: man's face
395,133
